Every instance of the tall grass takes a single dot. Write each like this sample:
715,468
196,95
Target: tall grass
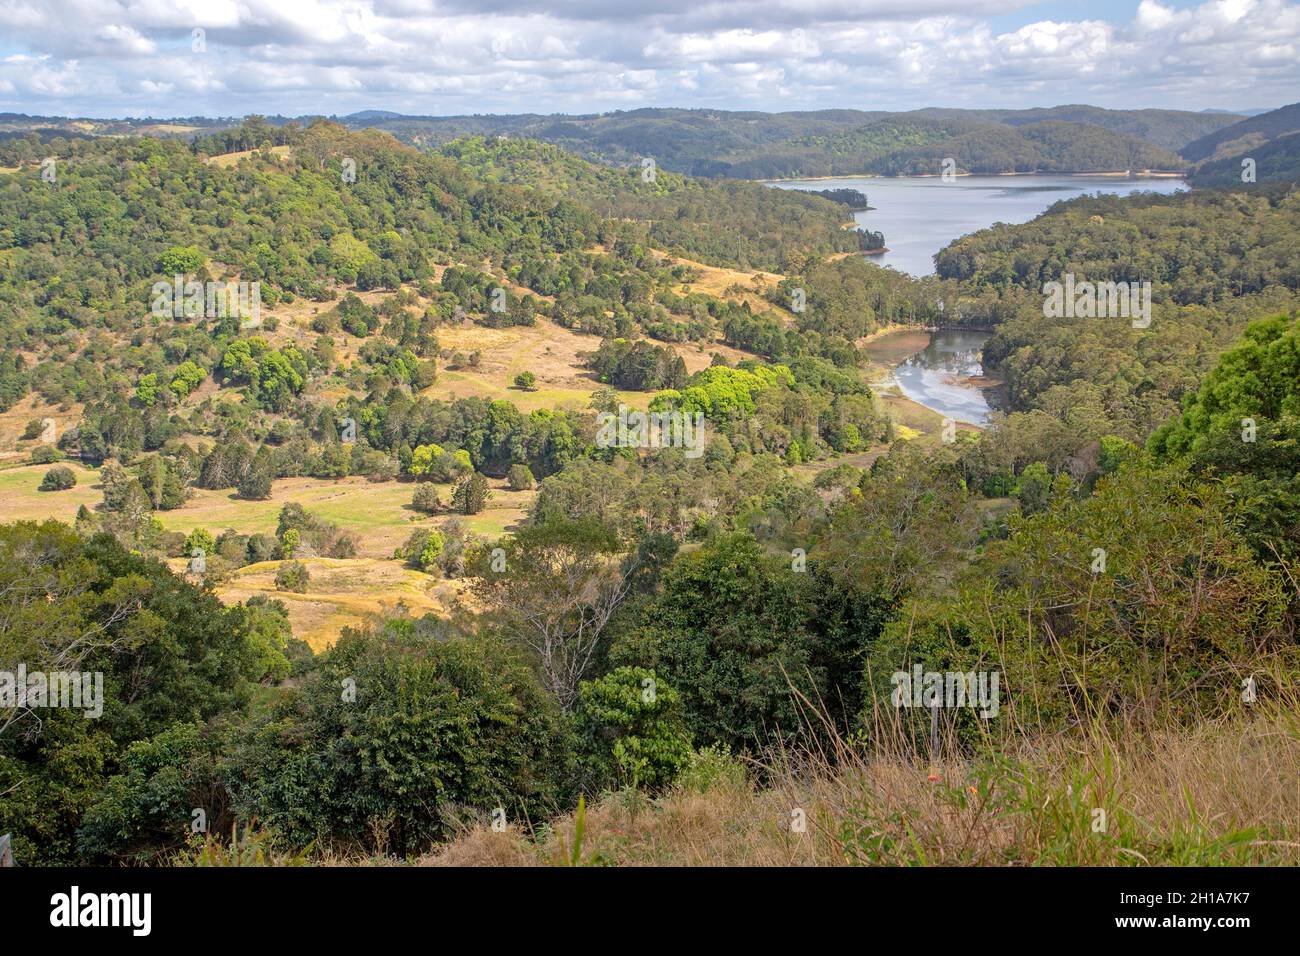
1225,791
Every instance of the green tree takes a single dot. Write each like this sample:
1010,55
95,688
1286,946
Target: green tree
630,730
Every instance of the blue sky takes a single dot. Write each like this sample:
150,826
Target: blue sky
139,57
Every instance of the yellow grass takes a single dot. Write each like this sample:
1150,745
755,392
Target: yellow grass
1222,792
342,593
232,159
345,591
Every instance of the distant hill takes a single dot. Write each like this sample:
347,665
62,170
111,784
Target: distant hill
1270,139
1168,129
1276,161
755,145
760,145
901,146
1232,140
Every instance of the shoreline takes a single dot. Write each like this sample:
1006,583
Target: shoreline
1107,173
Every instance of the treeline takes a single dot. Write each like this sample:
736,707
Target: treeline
913,146
1215,262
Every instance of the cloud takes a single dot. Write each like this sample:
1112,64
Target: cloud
116,57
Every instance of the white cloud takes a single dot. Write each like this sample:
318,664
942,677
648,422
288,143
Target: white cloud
106,57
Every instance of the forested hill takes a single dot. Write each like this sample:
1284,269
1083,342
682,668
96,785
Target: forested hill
717,222
760,145
1216,261
1232,140
717,143
292,221
902,146
1262,149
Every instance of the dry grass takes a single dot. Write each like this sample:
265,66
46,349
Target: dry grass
1224,792
232,159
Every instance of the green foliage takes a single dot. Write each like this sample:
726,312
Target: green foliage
470,495
731,631
181,260
526,381
292,576
60,478
169,653
521,478
638,366
439,728
630,730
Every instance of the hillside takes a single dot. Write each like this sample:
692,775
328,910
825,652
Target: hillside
1233,139
375,576
1269,140
908,146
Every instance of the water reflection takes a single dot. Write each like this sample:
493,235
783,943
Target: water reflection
938,376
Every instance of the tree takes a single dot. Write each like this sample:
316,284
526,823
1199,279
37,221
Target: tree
733,631
431,551
439,725
520,478
470,495
562,580
630,730
181,260
426,500
292,576
526,381
60,478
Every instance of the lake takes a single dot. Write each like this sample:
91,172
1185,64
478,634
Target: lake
938,376
919,215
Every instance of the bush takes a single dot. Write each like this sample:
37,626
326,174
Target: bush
526,381
256,485
521,478
292,576
630,730
58,479
45,455
426,500
442,729
432,551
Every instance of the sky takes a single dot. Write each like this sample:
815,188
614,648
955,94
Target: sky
105,58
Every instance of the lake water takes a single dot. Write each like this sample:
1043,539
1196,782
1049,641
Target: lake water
919,215
936,376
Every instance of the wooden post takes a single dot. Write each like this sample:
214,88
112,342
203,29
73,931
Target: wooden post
6,851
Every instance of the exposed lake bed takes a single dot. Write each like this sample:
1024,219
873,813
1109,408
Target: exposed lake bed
940,370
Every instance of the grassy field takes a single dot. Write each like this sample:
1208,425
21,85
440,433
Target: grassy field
342,592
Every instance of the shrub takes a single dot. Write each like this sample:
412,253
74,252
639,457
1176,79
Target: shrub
526,381
45,455
58,479
425,499
520,478
292,576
